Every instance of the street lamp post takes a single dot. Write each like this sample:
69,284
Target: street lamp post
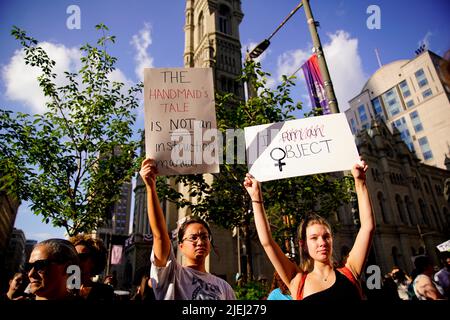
317,48
329,90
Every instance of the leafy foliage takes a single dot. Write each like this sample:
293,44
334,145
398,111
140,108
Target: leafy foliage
251,290
72,160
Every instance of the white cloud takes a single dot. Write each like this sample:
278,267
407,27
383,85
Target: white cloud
21,79
344,65
141,42
289,62
425,40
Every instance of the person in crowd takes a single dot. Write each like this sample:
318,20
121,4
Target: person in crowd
111,280
17,286
278,289
144,291
47,269
171,280
424,286
316,278
442,277
402,281
93,255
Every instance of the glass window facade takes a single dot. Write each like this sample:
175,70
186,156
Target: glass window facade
392,102
353,126
378,109
401,126
427,93
415,119
421,78
362,113
410,103
404,89
425,148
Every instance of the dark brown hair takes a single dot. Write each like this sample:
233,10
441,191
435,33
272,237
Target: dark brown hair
97,251
187,222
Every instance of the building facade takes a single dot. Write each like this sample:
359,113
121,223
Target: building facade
409,95
115,231
411,212
8,213
15,253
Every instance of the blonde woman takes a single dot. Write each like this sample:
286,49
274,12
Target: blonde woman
316,278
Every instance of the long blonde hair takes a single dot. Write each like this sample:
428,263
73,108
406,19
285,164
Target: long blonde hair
306,262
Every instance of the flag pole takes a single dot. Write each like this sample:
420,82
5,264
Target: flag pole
332,102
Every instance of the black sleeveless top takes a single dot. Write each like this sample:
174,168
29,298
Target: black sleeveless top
342,289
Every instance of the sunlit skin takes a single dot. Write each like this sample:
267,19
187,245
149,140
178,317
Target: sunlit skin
16,286
195,253
318,242
49,283
86,265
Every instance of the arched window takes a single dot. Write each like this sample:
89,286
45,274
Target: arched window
381,203
436,218
399,203
423,212
201,26
409,211
224,19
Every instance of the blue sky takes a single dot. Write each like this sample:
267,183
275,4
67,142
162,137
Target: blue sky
150,33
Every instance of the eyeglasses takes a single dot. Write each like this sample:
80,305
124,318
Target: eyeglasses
194,237
38,265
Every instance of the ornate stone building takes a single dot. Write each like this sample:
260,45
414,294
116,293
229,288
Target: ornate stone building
412,215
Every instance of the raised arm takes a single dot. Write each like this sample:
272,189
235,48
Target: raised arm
358,254
161,240
285,268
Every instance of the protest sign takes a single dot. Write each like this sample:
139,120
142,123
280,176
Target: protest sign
443,247
180,120
300,147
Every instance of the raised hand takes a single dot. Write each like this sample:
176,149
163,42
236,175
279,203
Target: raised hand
148,172
253,187
359,171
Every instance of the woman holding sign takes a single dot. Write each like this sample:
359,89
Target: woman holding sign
171,280
316,278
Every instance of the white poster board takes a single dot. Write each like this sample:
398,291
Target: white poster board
180,120
300,147
443,247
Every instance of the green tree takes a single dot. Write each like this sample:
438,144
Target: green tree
71,161
225,201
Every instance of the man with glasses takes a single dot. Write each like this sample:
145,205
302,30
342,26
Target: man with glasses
47,269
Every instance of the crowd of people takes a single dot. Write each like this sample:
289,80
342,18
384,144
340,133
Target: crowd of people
317,278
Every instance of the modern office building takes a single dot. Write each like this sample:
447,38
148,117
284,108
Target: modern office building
409,95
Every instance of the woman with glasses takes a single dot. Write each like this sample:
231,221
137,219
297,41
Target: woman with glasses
93,255
47,269
171,280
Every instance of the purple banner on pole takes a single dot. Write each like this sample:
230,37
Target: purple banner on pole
315,84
